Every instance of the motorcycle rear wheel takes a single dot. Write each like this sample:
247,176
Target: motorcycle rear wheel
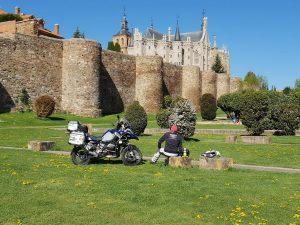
131,156
80,156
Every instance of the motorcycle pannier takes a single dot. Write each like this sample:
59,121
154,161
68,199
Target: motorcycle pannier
77,138
73,125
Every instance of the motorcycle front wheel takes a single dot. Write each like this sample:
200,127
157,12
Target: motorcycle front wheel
131,156
80,156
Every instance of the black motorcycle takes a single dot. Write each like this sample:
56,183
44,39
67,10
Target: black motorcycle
113,143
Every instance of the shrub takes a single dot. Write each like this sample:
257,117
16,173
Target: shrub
284,117
137,117
254,107
230,103
44,106
24,97
183,114
178,111
208,107
10,17
162,118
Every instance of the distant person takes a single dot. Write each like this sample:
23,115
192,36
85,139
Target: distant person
173,146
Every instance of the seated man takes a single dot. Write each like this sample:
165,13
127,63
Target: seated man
173,146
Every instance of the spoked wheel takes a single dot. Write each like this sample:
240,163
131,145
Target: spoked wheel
131,156
80,156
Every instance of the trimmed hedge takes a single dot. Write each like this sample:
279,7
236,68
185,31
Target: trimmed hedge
208,107
136,115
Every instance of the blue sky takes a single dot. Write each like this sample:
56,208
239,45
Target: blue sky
261,35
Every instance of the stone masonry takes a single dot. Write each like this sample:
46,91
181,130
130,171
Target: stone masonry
86,81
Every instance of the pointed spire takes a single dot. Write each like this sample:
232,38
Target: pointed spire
124,23
215,41
177,33
151,25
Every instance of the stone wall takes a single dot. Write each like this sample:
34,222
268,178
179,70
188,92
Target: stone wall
81,77
191,85
87,81
172,77
32,63
117,81
235,84
209,79
223,84
149,82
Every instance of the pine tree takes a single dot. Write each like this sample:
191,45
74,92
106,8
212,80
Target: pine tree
218,67
78,34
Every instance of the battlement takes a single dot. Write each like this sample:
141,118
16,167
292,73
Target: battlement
85,80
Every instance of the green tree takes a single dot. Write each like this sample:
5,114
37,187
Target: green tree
287,90
110,46
251,81
10,17
78,34
117,47
297,84
218,67
263,83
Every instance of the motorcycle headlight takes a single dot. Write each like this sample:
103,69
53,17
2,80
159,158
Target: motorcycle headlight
120,142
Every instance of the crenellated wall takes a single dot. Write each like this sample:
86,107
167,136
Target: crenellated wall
86,81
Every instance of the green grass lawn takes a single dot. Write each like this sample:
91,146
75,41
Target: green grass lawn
21,128
39,188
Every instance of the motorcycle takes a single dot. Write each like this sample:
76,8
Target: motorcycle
113,143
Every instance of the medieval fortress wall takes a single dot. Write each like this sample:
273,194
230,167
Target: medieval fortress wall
84,80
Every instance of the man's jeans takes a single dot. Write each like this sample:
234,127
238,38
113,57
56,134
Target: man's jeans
162,151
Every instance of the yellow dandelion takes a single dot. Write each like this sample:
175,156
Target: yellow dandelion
158,174
91,205
26,182
292,224
14,173
243,214
19,222
296,216
199,216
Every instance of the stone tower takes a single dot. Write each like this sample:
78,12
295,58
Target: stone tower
123,37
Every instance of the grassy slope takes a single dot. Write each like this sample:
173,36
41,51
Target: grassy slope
38,188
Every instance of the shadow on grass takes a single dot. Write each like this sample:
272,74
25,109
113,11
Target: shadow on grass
56,118
110,161
192,139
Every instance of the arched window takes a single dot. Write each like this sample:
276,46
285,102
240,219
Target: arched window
118,41
122,41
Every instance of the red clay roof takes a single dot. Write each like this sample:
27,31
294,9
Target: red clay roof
2,12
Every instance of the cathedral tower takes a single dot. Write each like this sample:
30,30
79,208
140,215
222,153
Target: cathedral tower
123,37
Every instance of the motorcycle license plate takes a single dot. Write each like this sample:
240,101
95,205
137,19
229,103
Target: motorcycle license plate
76,138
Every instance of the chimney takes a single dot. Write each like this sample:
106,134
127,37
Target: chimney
56,29
17,10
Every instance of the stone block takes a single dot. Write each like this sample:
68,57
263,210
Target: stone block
231,139
218,163
184,162
40,145
256,139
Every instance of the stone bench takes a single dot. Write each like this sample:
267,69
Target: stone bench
218,163
40,145
256,139
183,162
231,139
